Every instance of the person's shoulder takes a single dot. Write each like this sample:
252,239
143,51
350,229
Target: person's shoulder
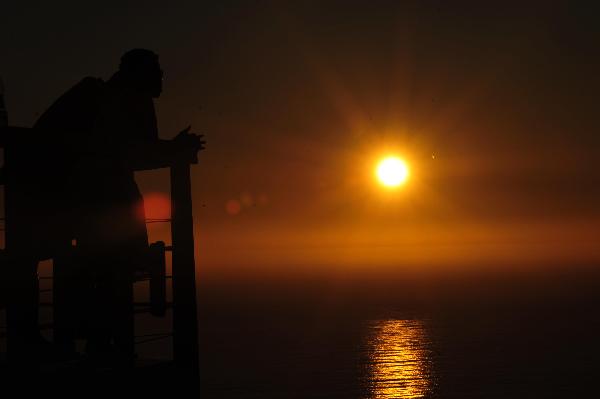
85,87
78,101
89,89
91,82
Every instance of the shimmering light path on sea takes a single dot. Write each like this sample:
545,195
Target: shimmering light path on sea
399,359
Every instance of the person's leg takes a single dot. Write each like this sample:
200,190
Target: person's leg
131,252
71,291
99,332
22,310
115,233
123,315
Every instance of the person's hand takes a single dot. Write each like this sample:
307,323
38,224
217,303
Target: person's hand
190,141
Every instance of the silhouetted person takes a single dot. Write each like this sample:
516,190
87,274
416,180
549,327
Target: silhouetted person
82,187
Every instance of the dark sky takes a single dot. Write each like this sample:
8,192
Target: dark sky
298,100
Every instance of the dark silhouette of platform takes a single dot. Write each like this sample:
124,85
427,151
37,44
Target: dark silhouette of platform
79,375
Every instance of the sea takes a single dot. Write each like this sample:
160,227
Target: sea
517,334
512,335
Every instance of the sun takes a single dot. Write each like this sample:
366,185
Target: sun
392,171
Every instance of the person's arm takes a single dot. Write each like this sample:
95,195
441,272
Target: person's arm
145,155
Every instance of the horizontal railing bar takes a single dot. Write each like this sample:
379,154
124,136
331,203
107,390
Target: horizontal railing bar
148,304
153,339
154,335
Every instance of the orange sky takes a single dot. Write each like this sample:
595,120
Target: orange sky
298,101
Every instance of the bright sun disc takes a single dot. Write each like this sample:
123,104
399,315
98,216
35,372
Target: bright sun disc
392,171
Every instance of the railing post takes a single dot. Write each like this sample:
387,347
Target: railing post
185,316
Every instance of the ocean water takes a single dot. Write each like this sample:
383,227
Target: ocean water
498,336
514,339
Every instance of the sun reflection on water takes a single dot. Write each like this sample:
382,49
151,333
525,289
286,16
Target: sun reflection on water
399,357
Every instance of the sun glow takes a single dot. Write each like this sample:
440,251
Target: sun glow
392,171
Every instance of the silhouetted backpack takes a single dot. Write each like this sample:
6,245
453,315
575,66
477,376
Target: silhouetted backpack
43,164
63,131
74,113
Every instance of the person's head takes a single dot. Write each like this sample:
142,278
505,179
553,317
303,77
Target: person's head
139,69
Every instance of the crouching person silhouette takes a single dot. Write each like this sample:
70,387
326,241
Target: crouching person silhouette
101,132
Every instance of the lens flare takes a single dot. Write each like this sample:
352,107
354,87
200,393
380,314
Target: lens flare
392,171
